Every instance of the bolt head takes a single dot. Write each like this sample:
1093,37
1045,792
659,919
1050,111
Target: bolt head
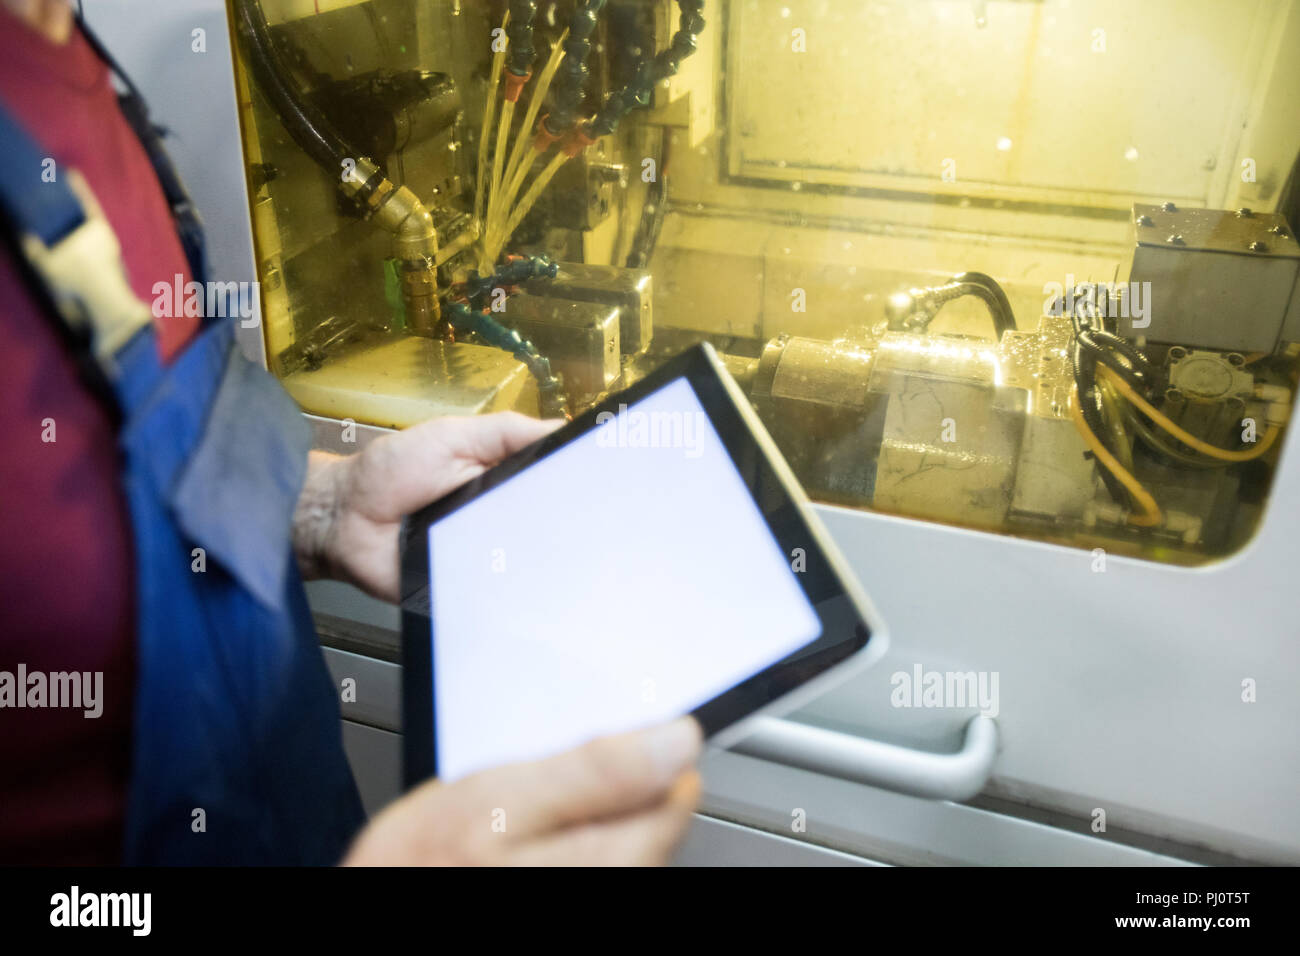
1168,207
1258,246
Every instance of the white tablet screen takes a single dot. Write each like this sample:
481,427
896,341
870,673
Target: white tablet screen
624,579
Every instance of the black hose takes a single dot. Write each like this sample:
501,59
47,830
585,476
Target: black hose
1166,448
986,288
1085,380
1143,365
1134,376
309,128
652,219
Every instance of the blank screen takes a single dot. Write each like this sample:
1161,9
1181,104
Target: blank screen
622,580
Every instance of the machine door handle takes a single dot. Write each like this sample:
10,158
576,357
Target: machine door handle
957,776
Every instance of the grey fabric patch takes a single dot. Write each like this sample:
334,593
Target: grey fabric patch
236,495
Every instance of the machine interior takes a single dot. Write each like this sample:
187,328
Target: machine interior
1024,266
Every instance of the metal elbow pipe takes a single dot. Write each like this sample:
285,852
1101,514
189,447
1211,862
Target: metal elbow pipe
411,223
399,211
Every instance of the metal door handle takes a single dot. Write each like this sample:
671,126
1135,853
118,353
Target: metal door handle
957,776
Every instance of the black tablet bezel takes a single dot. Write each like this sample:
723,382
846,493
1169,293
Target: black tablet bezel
844,631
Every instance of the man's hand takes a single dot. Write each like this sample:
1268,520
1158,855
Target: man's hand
624,800
345,524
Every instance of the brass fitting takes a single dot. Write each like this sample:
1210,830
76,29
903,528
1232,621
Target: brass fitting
411,224
415,247
398,210
420,295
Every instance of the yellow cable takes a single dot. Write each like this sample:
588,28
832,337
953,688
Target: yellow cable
525,204
502,212
1112,414
499,154
489,111
535,100
1149,516
1191,441
521,158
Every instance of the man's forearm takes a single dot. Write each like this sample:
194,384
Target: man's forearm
316,514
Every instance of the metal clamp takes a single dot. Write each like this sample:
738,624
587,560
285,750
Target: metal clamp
957,776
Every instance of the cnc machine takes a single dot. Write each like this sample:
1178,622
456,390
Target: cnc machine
1013,284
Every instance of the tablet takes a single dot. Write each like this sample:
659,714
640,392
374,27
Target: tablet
652,558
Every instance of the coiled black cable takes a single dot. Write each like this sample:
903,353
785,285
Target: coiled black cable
308,127
1085,380
1093,344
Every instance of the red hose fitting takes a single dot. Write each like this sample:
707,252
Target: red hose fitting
542,142
578,141
515,85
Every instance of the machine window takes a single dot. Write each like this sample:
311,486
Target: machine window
1025,266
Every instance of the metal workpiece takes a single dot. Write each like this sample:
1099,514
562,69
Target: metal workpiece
1055,479
552,398
949,449
581,339
795,369
628,290
400,382
935,357
457,233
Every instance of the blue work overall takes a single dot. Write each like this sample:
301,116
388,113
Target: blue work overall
237,753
